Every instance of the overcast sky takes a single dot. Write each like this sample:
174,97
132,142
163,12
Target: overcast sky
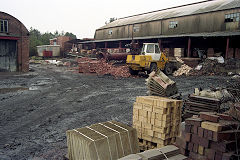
81,17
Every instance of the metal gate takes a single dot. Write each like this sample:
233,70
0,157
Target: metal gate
8,55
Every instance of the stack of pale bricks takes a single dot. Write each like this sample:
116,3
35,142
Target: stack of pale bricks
210,136
157,121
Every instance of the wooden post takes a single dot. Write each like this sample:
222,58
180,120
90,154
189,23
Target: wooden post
105,44
227,48
94,45
189,47
120,44
160,44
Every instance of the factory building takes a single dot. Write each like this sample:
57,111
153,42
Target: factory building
209,27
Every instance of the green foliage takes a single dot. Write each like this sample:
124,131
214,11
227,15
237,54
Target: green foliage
111,20
37,38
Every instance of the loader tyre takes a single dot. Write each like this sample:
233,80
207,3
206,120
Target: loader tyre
168,70
153,67
133,72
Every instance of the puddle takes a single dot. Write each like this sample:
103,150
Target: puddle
7,90
33,88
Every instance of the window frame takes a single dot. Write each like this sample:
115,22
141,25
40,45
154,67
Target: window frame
4,26
232,17
157,47
173,24
136,29
148,49
110,32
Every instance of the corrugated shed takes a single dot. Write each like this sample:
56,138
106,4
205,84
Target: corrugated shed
196,8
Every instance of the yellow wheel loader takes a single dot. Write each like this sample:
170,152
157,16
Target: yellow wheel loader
150,59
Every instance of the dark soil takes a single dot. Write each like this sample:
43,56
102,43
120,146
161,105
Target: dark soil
37,108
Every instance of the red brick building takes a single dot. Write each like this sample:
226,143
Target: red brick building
14,44
65,46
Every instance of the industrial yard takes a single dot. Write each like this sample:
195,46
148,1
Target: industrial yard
162,84
37,108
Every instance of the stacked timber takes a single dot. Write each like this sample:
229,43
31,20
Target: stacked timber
157,121
210,136
179,52
183,70
195,104
108,140
160,85
169,152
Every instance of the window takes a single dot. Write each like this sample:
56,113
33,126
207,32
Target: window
173,24
232,17
157,50
150,48
136,29
110,32
4,26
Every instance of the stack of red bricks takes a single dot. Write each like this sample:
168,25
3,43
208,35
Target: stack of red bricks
210,136
101,67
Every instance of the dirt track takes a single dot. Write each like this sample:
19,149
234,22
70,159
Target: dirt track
37,108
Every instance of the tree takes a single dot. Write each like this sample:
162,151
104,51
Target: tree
71,35
111,20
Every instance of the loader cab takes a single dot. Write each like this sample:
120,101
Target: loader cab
151,49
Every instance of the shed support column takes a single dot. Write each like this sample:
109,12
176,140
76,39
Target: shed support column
120,44
160,44
189,47
227,48
105,44
94,45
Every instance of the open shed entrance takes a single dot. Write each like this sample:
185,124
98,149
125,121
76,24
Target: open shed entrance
8,55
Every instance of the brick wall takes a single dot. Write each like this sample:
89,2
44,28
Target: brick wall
17,30
62,42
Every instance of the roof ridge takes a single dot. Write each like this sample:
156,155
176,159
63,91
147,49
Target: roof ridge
168,8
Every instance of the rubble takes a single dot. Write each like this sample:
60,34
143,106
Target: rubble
183,70
101,67
217,66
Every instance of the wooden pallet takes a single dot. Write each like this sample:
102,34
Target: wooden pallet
146,145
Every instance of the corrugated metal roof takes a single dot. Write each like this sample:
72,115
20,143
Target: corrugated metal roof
210,34
191,9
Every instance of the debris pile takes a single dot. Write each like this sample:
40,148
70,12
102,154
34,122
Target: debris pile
101,67
211,100
210,136
160,85
157,121
183,70
216,66
108,140
195,104
209,67
167,152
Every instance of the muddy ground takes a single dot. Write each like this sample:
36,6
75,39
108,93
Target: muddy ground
38,107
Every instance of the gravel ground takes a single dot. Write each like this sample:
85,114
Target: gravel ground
37,108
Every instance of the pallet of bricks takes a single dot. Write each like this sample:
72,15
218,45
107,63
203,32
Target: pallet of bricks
210,136
102,141
157,121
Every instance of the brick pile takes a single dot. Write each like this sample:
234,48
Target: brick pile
157,121
101,67
209,136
